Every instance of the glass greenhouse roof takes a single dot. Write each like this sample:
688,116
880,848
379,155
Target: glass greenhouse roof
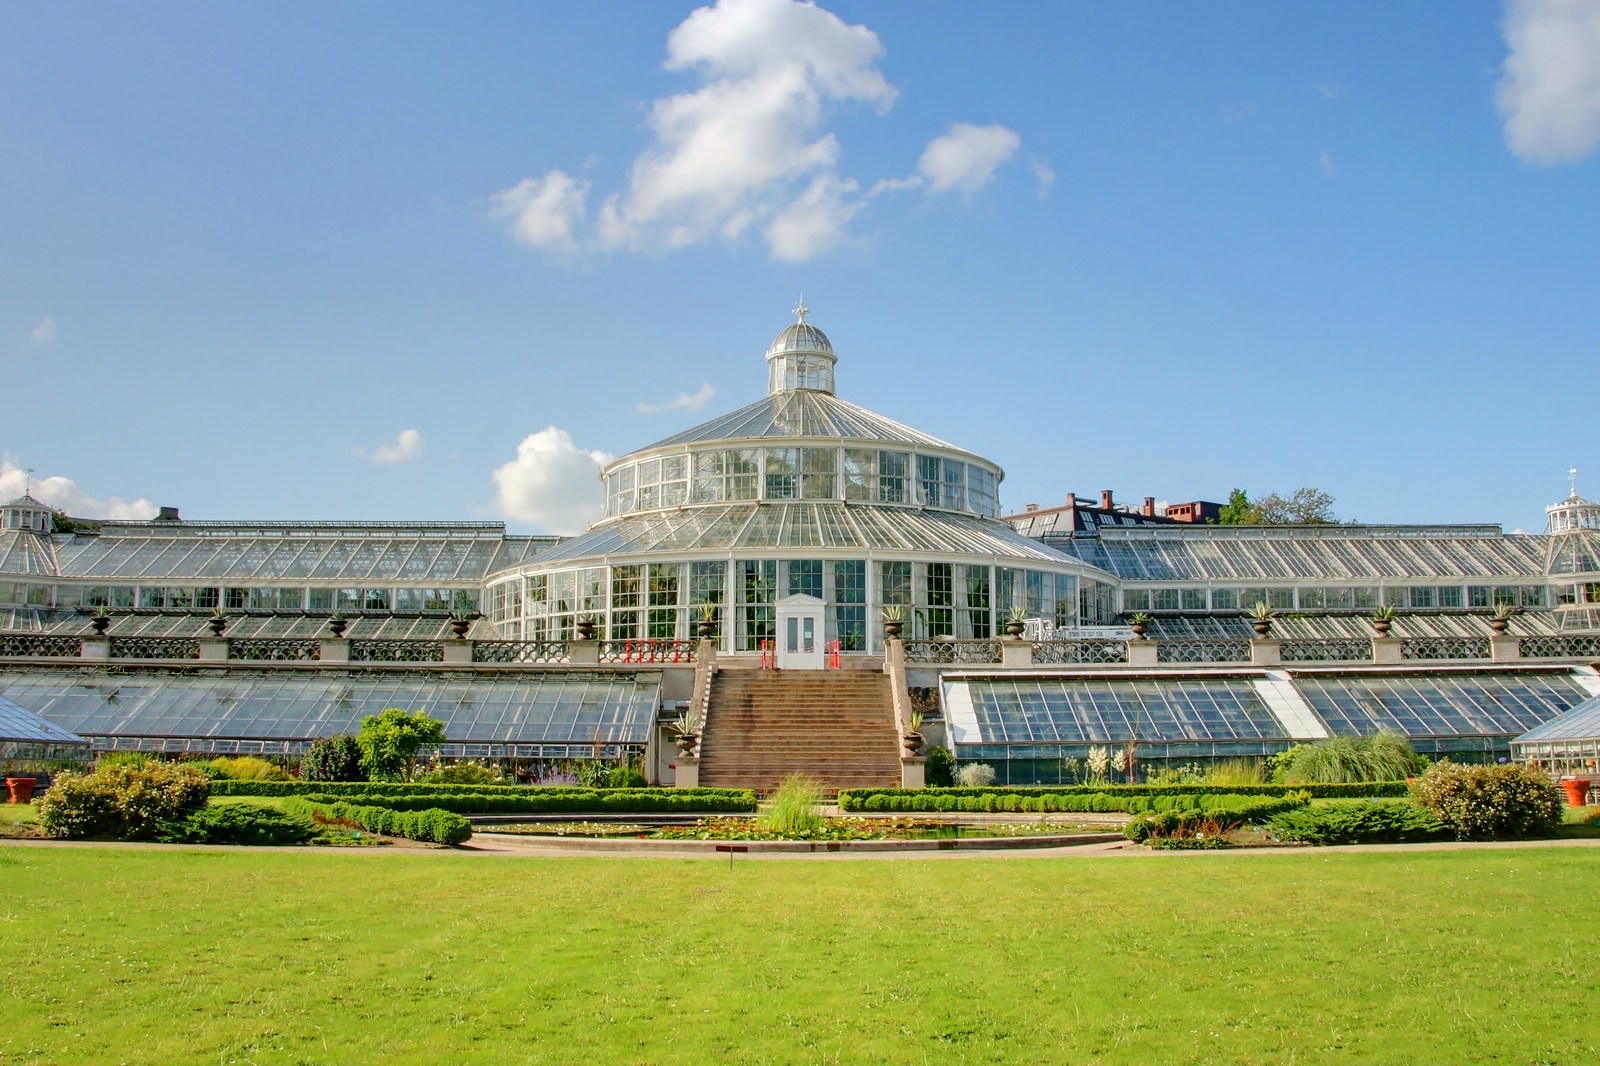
1294,626
26,553
18,723
550,709
1478,704
803,414
233,553
1257,553
288,626
1069,711
810,526
1582,722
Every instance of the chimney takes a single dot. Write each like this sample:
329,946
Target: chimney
1032,507
1105,499
1072,501
1150,505
168,514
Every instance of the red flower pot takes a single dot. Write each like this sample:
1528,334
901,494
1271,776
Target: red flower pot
1577,789
20,788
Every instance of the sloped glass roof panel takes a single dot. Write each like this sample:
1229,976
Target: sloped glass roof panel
18,723
803,414
566,708
25,553
1100,711
1582,722
1477,704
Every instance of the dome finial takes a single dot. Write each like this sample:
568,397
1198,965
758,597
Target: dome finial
1572,477
801,310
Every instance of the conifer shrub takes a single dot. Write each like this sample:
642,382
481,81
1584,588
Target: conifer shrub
235,823
1388,821
335,758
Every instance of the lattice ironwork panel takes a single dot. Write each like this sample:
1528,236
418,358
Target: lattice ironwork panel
519,651
952,651
40,644
1315,650
1565,646
1080,651
1444,648
275,650
1203,651
397,651
155,648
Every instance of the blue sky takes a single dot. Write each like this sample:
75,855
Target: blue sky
355,261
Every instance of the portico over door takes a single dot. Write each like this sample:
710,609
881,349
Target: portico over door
800,633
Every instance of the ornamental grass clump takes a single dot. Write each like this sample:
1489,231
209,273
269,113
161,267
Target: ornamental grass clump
1381,757
246,768
1490,802
121,802
794,809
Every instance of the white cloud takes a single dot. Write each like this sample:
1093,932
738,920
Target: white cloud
746,151
543,211
46,331
1550,90
552,483
1046,175
63,494
1325,161
406,447
682,402
967,157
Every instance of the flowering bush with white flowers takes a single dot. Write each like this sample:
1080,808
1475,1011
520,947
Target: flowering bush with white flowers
122,802
1485,802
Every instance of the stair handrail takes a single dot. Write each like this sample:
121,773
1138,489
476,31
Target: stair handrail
705,667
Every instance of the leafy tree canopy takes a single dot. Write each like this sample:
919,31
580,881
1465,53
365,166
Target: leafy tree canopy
1305,506
390,741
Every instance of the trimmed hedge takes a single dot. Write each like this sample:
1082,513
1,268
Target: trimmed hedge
1010,798
432,825
999,800
513,799
1177,823
1356,822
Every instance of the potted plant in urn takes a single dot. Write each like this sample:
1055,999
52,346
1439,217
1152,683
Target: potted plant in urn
894,618
218,621
586,627
1382,619
913,738
1261,618
1139,622
101,621
337,623
461,622
688,728
1016,622
1501,617
707,626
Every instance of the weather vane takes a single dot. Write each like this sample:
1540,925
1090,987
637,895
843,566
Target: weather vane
27,481
1572,477
801,310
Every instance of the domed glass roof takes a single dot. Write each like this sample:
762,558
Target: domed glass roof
800,337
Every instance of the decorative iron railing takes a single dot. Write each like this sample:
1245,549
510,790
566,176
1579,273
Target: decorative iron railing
1081,651
1444,648
1561,646
274,649
1218,650
396,651
647,650
519,651
1325,649
155,648
41,644
952,651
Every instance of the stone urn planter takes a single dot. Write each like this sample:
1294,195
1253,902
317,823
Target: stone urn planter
1499,625
687,742
217,625
459,627
1262,626
912,742
1139,629
1382,626
705,628
337,626
892,629
1576,788
586,629
101,623
20,789
1014,630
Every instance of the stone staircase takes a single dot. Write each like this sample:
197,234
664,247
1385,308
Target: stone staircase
836,726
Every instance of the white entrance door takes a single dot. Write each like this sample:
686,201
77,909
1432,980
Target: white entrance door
800,634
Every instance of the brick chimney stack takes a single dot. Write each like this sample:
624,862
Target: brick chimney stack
1105,499
1150,505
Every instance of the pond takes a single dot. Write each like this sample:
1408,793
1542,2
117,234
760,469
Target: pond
746,828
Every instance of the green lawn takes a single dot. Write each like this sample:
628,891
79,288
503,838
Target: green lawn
168,956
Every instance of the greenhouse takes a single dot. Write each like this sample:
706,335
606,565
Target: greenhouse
29,742
1568,745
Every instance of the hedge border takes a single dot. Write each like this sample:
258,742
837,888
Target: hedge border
722,800
431,825
857,799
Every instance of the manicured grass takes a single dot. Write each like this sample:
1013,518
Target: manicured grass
171,956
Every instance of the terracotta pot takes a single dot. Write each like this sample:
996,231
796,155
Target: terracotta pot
1576,788
20,789
1382,626
1499,624
1262,628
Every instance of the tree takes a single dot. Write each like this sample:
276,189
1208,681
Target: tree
1305,506
389,742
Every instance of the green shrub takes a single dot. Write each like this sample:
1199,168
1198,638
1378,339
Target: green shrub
627,777
431,825
461,773
975,775
1358,822
389,742
1186,829
246,768
121,802
335,758
137,760
1381,757
1488,802
235,823
972,799
940,770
